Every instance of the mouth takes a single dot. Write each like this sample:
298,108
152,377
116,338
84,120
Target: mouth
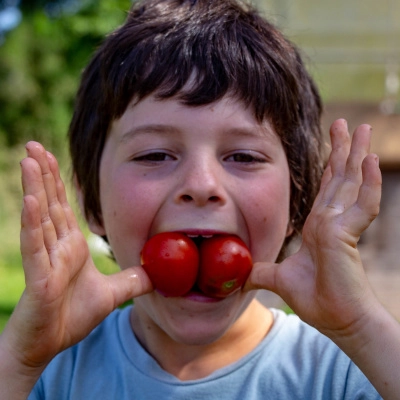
198,236
222,268
198,239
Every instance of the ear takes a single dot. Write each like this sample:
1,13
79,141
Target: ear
94,226
290,228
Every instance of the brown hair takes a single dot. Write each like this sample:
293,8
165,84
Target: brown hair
229,49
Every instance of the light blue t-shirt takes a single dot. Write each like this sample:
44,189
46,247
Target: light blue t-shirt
294,361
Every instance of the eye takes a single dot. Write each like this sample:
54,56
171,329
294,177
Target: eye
248,157
153,157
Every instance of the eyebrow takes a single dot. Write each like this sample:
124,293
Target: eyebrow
260,131
146,129
161,129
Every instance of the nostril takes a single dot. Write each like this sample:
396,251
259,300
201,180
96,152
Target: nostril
186,198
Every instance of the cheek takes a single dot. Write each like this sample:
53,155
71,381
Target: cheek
268,220
128,209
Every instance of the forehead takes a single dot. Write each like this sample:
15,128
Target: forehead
225,115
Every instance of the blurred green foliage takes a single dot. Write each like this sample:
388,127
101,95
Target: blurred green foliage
40,65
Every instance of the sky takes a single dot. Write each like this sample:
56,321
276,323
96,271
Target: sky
10,15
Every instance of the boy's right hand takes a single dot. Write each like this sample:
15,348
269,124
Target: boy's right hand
65,295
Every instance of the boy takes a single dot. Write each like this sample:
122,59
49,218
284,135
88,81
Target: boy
199,117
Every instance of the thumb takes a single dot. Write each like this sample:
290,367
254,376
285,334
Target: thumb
262,276
129,283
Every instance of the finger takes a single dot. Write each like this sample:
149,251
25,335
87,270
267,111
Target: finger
341,143
129,283
262,276
70,219
360,147
366,208
53,214
35,258
58,183
348,186
38,153
33,185
325,179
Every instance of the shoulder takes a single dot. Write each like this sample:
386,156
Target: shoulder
290,330
88,364
107,338
312,363
304,347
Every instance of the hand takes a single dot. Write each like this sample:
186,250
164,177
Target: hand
324,282
65,295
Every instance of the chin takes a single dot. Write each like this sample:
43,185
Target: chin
198,336
191,322
199,329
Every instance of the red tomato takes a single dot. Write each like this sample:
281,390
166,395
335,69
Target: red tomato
225,264
171,261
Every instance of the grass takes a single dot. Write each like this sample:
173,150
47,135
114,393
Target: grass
11,274
12,285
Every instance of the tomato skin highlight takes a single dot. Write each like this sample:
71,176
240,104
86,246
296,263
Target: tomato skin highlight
225,264
171,260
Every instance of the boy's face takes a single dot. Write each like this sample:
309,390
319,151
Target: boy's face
199,170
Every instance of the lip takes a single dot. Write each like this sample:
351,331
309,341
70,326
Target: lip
208,233
195,296
199,297
203,232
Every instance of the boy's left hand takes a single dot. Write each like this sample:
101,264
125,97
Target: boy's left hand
324,282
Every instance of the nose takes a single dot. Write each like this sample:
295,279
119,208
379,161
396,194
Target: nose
201,183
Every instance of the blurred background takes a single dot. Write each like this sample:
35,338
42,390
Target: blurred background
352,50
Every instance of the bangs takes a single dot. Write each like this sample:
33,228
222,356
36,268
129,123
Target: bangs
200,60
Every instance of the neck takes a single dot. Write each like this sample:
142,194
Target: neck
189,362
